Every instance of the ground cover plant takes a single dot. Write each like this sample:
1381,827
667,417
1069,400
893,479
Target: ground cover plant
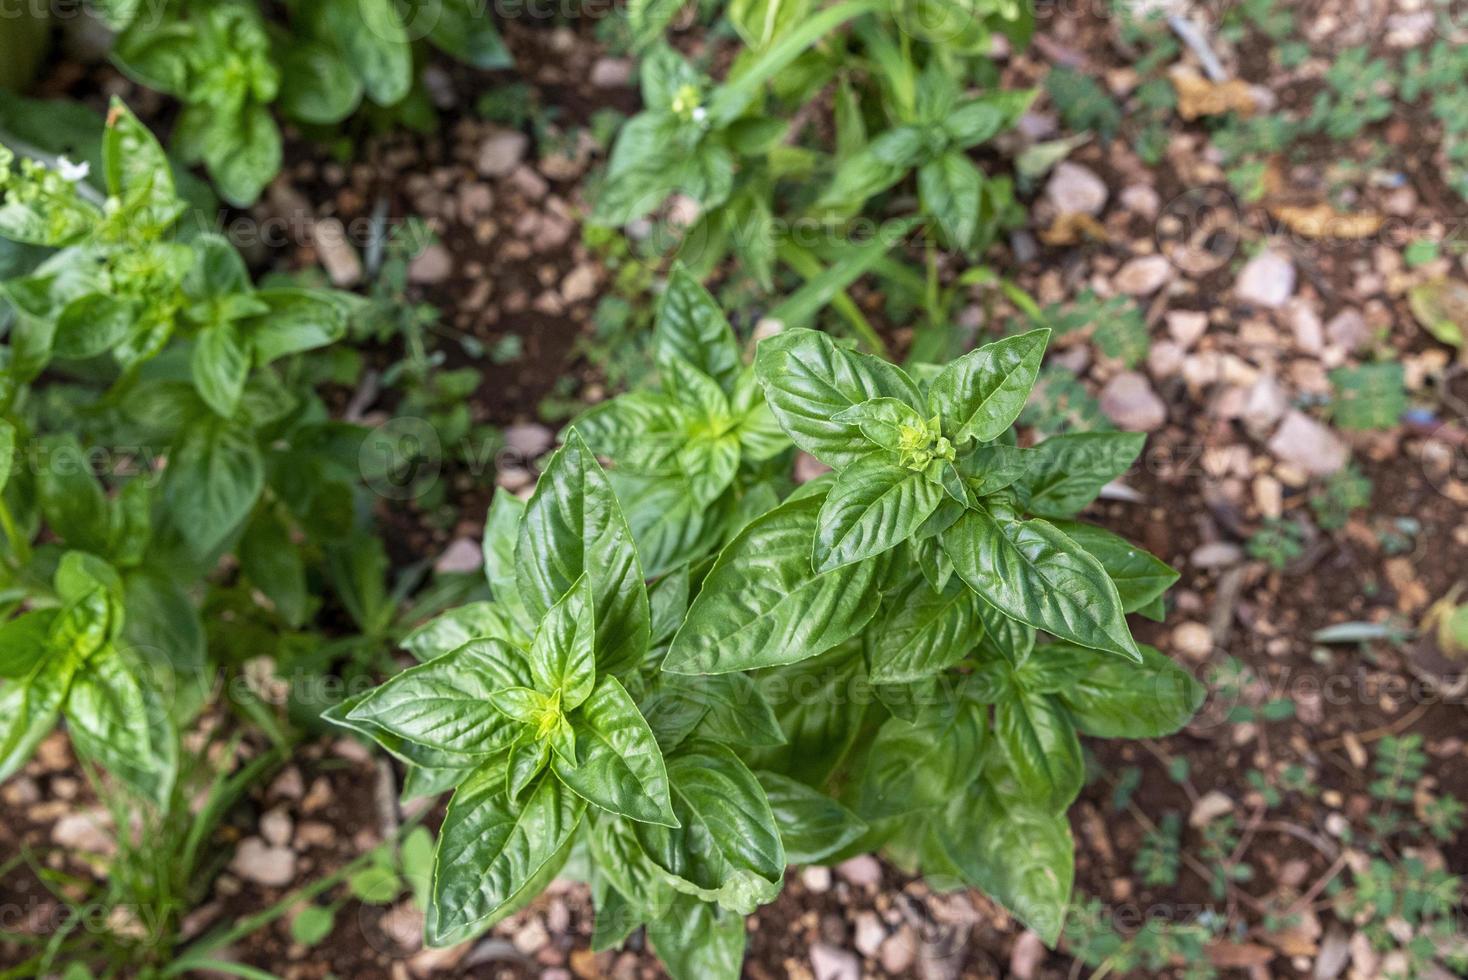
655,727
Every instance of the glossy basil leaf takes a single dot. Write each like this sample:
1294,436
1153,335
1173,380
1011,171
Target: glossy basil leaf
950,190
812,825
273,564
620,860
297,320
615,919
451,630
728,708
874,506
669,527
1004,638
691,326
317,86
728,848
465,30
25,642
92,325
808,381
881,421
697,940
1044,753
989,469
762,605
212,482
620,767
563,654
979,396
918,766
445,703
116,719
490,850
1111,699
71,498
1031,572
759,433
1022,856
501,535
667,601
135,167
1067,472
1140,577
372,39
573,526
30,707
923,631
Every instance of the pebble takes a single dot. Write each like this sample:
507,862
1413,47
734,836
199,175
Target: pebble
830,963
1303,442
816,879
276,827
579,284
1143,275
1348,330
1210,807
1027,955
1268,279
870,933
85,830
1265,403
1216,554
529,183
529,440
1305,323
255,860
863,871
898,952
1141,199
1075,189
611,73
431,266
1186,326
342,263
501,152
1192,640
531,936
462,555
1129,401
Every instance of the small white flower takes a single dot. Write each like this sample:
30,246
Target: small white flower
700,114
73,173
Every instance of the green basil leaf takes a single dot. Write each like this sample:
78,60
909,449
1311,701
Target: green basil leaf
372,39
115,718
1043,750
989,469
501,535
1067,472
25,642
874,506
297,320
490,851
979,396
563,654
451,630
1111,699
950,190
465,30
317,86
445,703
923,631
71,498
762,604
820,705
620,860
691,326
573,526
221,363
812,825
1032,572
92,325
273,563
214,477
727,848
244,155
7,452
698,941
614,918
667,601
669,527
620,768
918,766
1140,577
1023,857
135,167
808,381
882,420
975,121
29,708
726,708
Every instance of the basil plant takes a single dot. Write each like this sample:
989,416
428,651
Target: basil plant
807,673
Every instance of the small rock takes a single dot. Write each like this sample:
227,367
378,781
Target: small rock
530,937
529,183
816,879
501,152
1264,404
830,963
1129,401
1303,442
870,933
1305,323
431,266
1187,326
1268,279
1210,807
1192,640
863,871
1143,275
462,555
529,440
343,264
1348,330
403,926
254,860
1141,199
898,952
20,791
1027,955
1216,554
579,284
85,830
611,73
276,827
807,467
1075,189
288,785
1335,951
